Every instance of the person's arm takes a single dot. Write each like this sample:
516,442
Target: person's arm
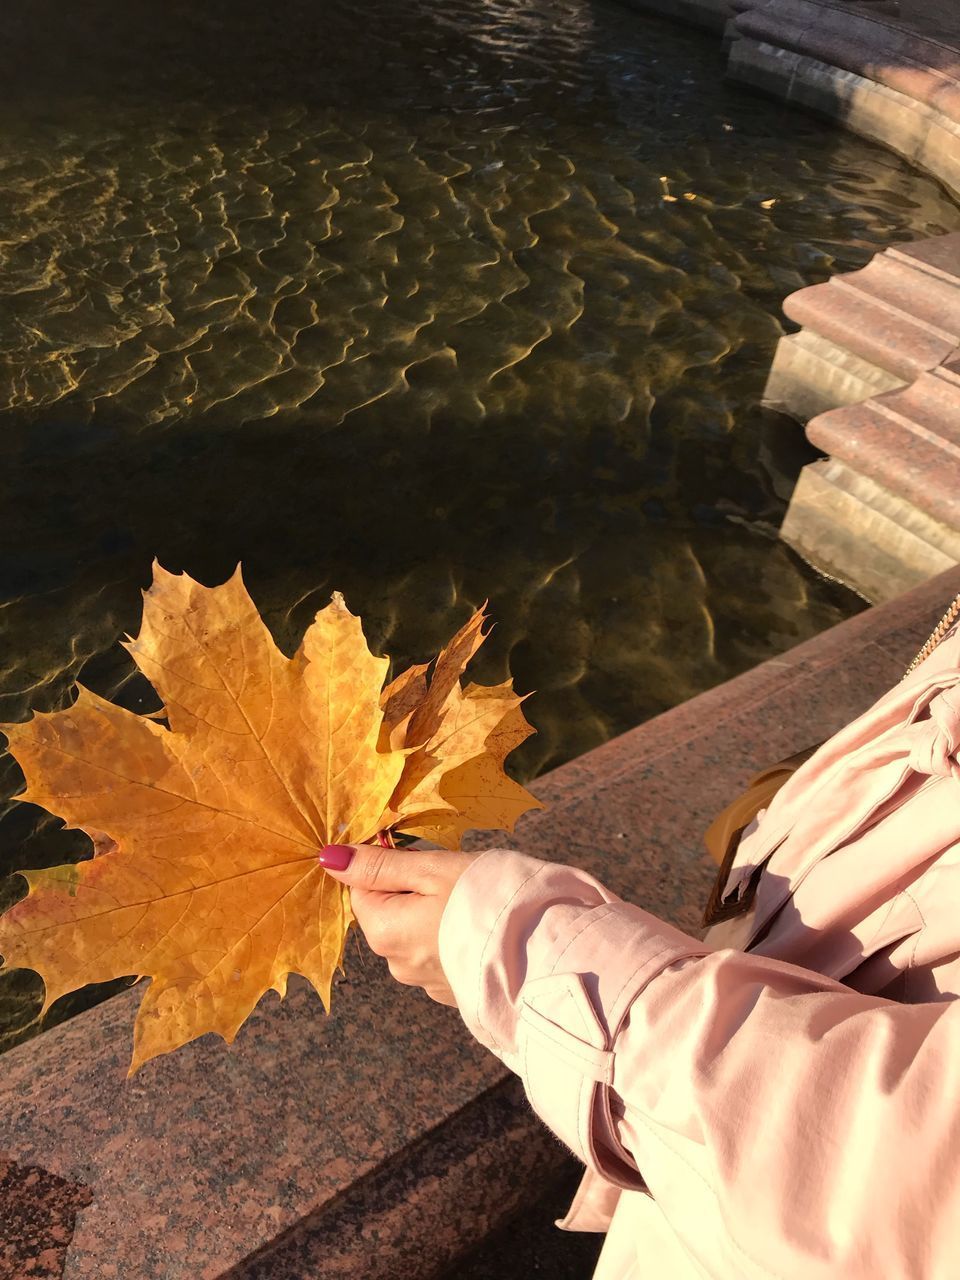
814,1131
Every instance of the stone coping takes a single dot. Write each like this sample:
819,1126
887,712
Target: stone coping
887,69
878,47
875,374
900,312
382,1140
907,441
851,527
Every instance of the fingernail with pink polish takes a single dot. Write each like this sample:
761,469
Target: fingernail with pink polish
336,857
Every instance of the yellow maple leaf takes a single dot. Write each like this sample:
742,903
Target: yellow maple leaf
472,787
207,827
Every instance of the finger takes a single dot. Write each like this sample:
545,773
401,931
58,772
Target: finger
364,866
391,922
383,917
442,995
402,973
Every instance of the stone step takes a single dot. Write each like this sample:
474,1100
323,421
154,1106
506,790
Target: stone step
840,518
903,286
884,510
908,441
938,255
810,375
900,312
892,340
932,403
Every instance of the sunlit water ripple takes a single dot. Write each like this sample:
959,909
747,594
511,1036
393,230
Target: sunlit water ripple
431,305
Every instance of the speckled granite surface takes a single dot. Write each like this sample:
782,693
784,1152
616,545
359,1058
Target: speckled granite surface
381,1142
42,1209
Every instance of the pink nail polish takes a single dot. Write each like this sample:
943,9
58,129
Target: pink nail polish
336,857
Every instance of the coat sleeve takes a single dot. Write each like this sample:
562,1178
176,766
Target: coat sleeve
786,1125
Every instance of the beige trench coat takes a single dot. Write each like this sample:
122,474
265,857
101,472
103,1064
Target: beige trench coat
782,1098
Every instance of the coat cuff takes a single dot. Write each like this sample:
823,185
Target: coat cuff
545,963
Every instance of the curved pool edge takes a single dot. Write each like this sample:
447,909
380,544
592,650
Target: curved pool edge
870,514
878,73
869,72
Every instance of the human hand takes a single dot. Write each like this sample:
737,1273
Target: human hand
398,897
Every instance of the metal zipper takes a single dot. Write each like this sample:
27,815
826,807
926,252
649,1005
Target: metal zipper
936,635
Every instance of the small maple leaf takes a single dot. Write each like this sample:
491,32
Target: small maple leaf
205,876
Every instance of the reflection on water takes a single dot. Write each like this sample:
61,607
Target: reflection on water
428,304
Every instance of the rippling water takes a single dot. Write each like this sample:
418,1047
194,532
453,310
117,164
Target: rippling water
428,303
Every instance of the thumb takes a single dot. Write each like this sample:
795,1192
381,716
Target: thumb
371,867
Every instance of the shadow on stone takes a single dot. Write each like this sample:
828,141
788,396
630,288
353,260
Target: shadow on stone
414,1215
39,1211
532,1245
